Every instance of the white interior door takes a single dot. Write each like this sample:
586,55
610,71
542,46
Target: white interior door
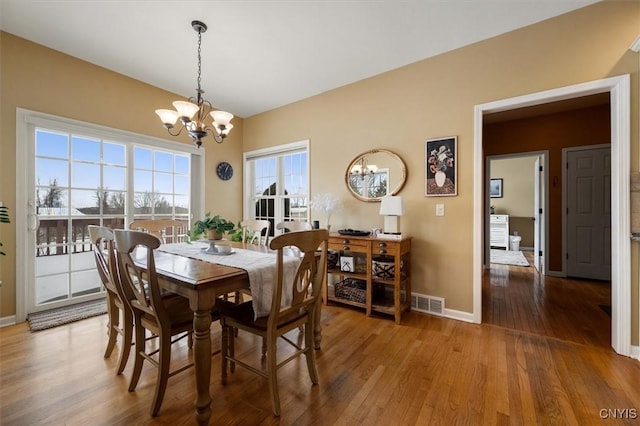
537,217
588,200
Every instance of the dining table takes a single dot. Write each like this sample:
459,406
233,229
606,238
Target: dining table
202,282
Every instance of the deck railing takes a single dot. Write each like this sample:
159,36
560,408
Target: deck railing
54,237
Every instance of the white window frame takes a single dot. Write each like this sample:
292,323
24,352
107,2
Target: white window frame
249,176
26,122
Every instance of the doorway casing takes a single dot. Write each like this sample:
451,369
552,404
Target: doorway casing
619,90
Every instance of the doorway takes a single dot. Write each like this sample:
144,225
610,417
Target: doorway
618,88
521,202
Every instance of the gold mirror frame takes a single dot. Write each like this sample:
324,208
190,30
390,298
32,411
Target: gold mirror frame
392,163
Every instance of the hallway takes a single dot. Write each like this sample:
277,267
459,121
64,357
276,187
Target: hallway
519,298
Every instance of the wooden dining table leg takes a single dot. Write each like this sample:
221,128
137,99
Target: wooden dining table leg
202,363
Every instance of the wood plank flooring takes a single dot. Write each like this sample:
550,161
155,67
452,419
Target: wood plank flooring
520,298
426,371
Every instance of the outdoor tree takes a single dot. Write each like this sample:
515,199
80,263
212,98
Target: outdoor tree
53,196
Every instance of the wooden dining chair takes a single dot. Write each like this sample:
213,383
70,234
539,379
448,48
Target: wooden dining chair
253,230
293,226
117,305
168,230
169,318
282,319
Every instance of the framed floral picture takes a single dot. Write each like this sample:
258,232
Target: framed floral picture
440,164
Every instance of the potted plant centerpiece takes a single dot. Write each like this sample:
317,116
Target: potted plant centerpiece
212,227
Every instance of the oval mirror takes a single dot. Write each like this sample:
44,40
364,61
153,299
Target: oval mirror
375,174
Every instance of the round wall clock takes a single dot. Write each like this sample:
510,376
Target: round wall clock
224,170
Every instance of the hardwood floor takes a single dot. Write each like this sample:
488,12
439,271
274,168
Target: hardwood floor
427,371
520,298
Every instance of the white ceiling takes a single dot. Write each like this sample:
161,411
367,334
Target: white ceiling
262,54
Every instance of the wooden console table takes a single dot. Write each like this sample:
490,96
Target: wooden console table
386,289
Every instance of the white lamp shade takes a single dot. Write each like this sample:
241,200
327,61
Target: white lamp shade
226,130
356,170
391,206
221,118
372,168
168,116
186,109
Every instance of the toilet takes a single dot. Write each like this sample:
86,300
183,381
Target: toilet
514,242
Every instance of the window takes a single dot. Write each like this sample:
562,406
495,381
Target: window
160,184
277,182
78,174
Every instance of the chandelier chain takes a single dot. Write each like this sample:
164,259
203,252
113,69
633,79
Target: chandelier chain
192,113
199,59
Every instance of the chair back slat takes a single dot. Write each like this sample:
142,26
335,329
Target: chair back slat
144,294
253,230
309,275
168,230
293,226
104,254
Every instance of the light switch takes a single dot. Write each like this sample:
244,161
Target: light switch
439,209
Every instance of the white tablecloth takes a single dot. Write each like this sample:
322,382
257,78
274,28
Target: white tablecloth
261,268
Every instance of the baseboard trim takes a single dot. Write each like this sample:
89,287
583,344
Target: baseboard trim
7,321
635,352
458,315
448,313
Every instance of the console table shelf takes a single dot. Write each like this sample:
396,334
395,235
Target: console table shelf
389,294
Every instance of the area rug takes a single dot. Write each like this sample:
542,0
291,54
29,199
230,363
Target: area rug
508,257
59,316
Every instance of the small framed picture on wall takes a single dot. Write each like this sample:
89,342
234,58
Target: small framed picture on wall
440,164
495,188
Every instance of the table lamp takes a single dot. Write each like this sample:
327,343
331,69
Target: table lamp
391,208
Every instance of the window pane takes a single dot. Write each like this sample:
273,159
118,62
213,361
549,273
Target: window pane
52,201
181,203
85,282
142,158
81,243
163,183
50,144
163,204
85,175
85,202
113,177
164,162
181,184
52,172
142,181
114,203
113,153
52,287
182,164
85,149
143,202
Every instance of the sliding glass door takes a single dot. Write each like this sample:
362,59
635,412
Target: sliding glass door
78,176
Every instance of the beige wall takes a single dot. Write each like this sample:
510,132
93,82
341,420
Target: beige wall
397,110
517,185
401,109
41,79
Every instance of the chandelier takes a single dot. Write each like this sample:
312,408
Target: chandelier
363,169
193,112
